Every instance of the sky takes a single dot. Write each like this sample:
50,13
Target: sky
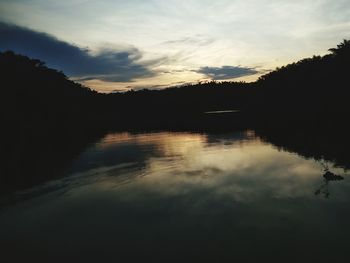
117,45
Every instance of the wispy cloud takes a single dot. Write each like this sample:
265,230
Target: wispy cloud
227,72
197,40
80,63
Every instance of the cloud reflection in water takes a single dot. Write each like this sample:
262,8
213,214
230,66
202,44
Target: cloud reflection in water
184,194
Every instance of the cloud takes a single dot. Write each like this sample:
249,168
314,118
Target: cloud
226,72
197,40
80,63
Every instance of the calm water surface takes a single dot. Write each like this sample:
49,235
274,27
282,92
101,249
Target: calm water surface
182,197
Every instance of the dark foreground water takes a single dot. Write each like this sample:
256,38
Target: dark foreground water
182,197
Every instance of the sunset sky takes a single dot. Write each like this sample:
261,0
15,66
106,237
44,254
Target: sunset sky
117,45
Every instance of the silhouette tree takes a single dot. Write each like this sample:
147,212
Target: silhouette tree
328,177
343,49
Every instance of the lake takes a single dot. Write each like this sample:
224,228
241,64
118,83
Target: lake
182,197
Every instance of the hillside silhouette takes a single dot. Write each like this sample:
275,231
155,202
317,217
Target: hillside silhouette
311,88
301,107
315,88
312,92
36,96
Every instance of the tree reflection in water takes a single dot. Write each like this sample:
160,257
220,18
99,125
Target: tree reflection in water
328,177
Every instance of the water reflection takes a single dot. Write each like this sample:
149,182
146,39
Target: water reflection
184,197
